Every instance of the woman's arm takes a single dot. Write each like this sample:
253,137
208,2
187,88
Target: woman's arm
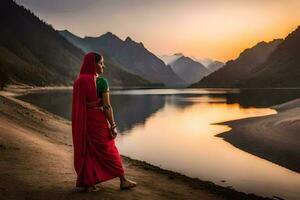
108,111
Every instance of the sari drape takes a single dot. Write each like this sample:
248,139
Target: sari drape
96,158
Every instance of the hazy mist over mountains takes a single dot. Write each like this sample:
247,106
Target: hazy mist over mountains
215,65
204,61
186,68
191,69
169,59
212,65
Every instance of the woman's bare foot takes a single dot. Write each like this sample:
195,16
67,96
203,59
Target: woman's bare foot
127,184
94,188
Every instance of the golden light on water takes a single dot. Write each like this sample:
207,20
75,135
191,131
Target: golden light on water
187,127
183,139
199,118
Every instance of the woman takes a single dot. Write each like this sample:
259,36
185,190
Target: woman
96,158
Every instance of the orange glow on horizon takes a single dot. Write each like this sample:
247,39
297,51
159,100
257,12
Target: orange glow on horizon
216,29
224,46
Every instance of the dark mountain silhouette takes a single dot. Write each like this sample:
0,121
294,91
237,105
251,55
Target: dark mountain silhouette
132,56
33,53
236,72
282,68
189,70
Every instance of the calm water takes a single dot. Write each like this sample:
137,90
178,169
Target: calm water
176,130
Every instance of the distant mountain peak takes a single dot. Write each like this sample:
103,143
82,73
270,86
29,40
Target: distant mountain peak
67,32
187,69
204,61
109,33
169,59
263,43
128,39
131,41
259,45
141,44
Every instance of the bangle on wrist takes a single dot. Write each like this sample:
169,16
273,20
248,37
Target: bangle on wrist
113,126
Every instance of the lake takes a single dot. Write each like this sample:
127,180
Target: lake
177,129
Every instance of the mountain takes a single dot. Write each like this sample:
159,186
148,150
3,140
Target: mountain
117,76
282,68
236,72
215,65
168,59
74,39
33,53
189,70
114,71
132,56
212,65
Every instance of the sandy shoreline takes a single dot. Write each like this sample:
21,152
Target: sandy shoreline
274,137
37,163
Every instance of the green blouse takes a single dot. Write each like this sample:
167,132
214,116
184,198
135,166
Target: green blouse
102,86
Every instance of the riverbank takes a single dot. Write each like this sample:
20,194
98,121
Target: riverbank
37,163
24,89
274,137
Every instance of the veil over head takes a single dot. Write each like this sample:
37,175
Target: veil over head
88,65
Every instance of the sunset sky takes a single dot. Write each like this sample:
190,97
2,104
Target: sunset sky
217,29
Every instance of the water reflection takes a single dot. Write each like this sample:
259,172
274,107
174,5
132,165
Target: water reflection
134,110
129,110
133,107
183,139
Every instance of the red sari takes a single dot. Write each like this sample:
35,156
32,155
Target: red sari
96,158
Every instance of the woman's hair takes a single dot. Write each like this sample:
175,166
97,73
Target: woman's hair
98,57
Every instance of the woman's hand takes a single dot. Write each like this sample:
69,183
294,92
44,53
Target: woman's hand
113,132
